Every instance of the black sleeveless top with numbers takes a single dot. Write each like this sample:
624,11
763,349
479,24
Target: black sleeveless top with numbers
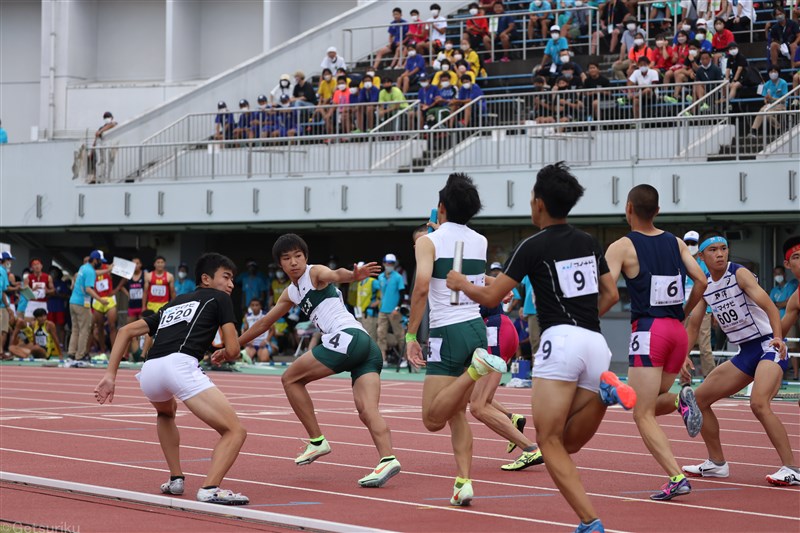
657,292
563,264
188,323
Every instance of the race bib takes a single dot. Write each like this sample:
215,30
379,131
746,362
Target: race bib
177,314
337,342
435,350
158,290
102,285
39,290
41,339
666,290
577,277
640,343
732,318
137,293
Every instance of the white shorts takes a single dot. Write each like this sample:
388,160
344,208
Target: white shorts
33,306
570,353
176,375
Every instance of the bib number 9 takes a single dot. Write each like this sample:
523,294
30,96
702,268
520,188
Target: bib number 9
578,277
102,285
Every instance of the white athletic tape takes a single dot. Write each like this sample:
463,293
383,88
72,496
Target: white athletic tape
189,505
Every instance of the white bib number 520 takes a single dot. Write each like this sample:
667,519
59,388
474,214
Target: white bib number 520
577,277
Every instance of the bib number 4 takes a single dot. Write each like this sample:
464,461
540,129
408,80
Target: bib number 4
337,342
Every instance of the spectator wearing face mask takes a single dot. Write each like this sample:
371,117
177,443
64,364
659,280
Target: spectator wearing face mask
284,87
244,129
663,55
736,71
96,156
570,105
680,51
578,23
436,26
417,31
391,99
685,73
447,73
368,94
539,16
391,288
476,28
685,29
341,99
261,123
633,41
774,88
462,69
415,65
645,78
426,95
468,92
624,68
223,122
471,57
708,72
691,239
183,283
784,38
501,31
612,15
599,98
108,123
397,31
441,105
703,39
553,50
333,60
722,38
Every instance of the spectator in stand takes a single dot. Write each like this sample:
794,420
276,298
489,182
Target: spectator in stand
445,73
341,99
333,60
303,94
471,57
701,36
564,17
708,72
774,88
261,124
613,21
784,37
426,95
108,123
462,69
680,51
57,303
566,62
441,104
476,28
184,284
542,103
501,31
284,87
623,69
368,94
572,77
397,31
579,22
630,38
540,16
468,92
327,86
415,65
685,29
391,99
735,70
243,129
643,78
223,122
742,15
663,55
570,105
721,40
285,118
417,32
685,73
437,30
552,51
3,134
488,4
600,98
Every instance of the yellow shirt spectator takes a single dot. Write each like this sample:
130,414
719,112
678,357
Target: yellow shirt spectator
326,89
453,77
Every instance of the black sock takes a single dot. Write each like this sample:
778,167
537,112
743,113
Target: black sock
510,416
210,487
173,478
388,458
531,448
317,441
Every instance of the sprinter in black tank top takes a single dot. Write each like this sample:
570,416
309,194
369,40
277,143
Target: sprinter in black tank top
655,264
573,287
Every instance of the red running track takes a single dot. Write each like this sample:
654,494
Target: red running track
50,426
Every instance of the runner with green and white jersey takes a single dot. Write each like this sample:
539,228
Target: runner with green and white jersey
345,346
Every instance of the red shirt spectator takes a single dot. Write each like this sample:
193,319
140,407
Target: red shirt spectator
640,51
662,54
723,38
477,27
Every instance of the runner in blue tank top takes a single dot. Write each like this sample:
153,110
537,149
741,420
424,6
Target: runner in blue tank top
750,319
655,264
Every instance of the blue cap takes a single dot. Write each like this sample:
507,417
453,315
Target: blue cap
5,256
98,254
423,76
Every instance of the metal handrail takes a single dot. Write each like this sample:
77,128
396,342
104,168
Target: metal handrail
396,117
700,101
784,98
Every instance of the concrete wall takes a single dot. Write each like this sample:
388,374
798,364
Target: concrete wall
130,40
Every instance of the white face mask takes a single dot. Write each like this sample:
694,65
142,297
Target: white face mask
445,68
578,3
734,52
280,274
682,40
692,248
327,77
458,57
182,275
445,84
537,3
388,268
778,279
773,76
284,83
448,46
353,90
660,43
474,11
700,36
424,84
555,36
341,86
412,53
262,106
371,73
692,53
435,12
415,18
368,85
564,58
108,120
686,27
638,42
466,85
643,69
631,26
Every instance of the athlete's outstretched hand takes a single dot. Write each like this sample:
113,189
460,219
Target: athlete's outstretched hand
366,270
779,346
686,369
219,357
105,390
414,354
456,280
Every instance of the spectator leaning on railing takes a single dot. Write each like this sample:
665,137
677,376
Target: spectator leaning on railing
774,88
601,99
643,77
397,33
223,122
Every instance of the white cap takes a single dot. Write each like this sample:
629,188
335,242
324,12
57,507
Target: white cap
555,27
389,258
332,49
496,266
692,236
701,21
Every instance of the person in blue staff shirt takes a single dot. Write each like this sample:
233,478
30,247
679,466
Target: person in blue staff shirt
184,284
528,313
391,286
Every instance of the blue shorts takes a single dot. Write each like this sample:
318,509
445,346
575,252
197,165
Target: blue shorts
753,352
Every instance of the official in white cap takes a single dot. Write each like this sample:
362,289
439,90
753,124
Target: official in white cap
692,240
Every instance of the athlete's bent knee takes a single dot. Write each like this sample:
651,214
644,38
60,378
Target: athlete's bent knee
433,425
760,407
478,411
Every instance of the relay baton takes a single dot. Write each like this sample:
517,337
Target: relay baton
434,218
458,257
